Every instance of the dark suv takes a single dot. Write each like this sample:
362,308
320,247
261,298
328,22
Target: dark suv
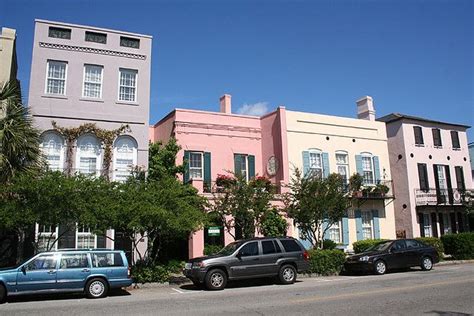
253,258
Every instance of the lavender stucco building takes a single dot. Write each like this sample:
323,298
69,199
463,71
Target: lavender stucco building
432,175
79,75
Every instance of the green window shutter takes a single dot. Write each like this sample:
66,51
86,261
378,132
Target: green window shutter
237,164
358,218
207,169
186,166
251,166
325,157
359,165
305,163
375,216
376,169
345,230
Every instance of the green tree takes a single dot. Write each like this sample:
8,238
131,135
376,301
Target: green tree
162,160
316,204
273,224
19,140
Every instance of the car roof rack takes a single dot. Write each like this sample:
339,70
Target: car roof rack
85,249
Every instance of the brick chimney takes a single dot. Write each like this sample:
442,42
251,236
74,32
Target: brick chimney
365,108
226,104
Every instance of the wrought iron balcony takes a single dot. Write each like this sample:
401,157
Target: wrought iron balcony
379,190
443,196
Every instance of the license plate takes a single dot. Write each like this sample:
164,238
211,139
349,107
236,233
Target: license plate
188,265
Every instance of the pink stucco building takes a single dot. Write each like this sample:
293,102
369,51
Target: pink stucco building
431,171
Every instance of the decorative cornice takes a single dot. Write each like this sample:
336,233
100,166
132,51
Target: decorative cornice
91,50
219,127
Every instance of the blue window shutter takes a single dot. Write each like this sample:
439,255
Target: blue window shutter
207,169
359,165
376,169
306,243
345,230
251,166
237,164
305,163
325,165
375,215
186,166
358,218
323,227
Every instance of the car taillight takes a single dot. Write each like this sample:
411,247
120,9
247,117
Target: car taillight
305,255
129,274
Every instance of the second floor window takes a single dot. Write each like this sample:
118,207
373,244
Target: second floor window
56,77
316,164
92,81
418,135
455,140
342,166
128,85
368,170
437,137
195,165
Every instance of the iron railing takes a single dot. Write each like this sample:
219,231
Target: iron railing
443,196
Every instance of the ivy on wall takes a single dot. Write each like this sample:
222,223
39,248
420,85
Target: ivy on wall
107,137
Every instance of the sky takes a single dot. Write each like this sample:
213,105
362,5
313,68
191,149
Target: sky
413,57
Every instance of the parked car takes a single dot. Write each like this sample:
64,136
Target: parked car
253,258
393,254
92,271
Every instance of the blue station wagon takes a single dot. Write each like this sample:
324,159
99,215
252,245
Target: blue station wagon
92,271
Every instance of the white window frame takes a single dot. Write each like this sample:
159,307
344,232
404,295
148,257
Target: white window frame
335,232
446,223
46,235
92,82
427,225
47,77
196,168
344,165
135,87
117,174
367,223
85,233
313,170
371,159
45,150
86,155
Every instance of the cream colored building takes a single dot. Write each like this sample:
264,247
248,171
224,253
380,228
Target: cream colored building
8,64
329,144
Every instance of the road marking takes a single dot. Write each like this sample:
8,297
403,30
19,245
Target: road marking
179,291
381,291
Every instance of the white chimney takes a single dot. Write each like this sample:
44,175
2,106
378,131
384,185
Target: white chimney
226,104
365,108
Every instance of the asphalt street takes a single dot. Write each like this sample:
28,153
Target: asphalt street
446,290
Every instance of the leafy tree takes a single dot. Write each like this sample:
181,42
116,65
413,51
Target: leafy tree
162,160
316,204
19,140
273,224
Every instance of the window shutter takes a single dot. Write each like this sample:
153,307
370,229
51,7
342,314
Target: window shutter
251,166
437,137
325,157
207,169
460,178
418,135
306,243
101,241
448,182
422,225
68,236
237,164
439,195
323,227
358,218
455,140
359,165
345,230
305,163
375,216
423,176
186,166
376,169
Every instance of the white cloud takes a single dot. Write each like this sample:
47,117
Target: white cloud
256,109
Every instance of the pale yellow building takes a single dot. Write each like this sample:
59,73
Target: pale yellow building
8,63
326,144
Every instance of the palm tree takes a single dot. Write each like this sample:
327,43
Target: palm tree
19,140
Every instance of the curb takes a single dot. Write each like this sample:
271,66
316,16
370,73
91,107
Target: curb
453,262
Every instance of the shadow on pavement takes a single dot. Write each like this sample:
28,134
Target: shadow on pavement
59,296
238,284
392,271
448,313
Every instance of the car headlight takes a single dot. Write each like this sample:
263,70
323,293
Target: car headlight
364,258
197,265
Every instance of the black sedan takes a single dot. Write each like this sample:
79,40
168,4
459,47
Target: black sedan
393,254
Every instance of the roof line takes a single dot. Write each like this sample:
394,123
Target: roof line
392,117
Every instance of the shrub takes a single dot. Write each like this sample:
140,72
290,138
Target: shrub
460,246
434,242
328,244
362,245
211,249
326,262
146,272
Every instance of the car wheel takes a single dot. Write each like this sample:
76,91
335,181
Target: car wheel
380,267
3,294
426,263
287,274
96,288
216,280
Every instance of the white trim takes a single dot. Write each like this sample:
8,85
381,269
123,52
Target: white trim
135,96
84,81
116,154
62,150
98,165
195,168
47,77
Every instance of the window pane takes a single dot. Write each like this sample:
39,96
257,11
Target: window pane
268,247
290,245
106,259
58,32
127,85
56,77
250,249
129,42
74,261
46,262
96,37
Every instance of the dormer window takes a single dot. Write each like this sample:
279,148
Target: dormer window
59,32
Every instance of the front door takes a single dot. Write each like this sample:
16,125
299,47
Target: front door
271,253
38,274
74,268
398,257
248,261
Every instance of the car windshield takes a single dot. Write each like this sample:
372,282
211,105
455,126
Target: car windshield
380,246
230,248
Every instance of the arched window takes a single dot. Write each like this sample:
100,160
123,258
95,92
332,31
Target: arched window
52,146
88,155
125,157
